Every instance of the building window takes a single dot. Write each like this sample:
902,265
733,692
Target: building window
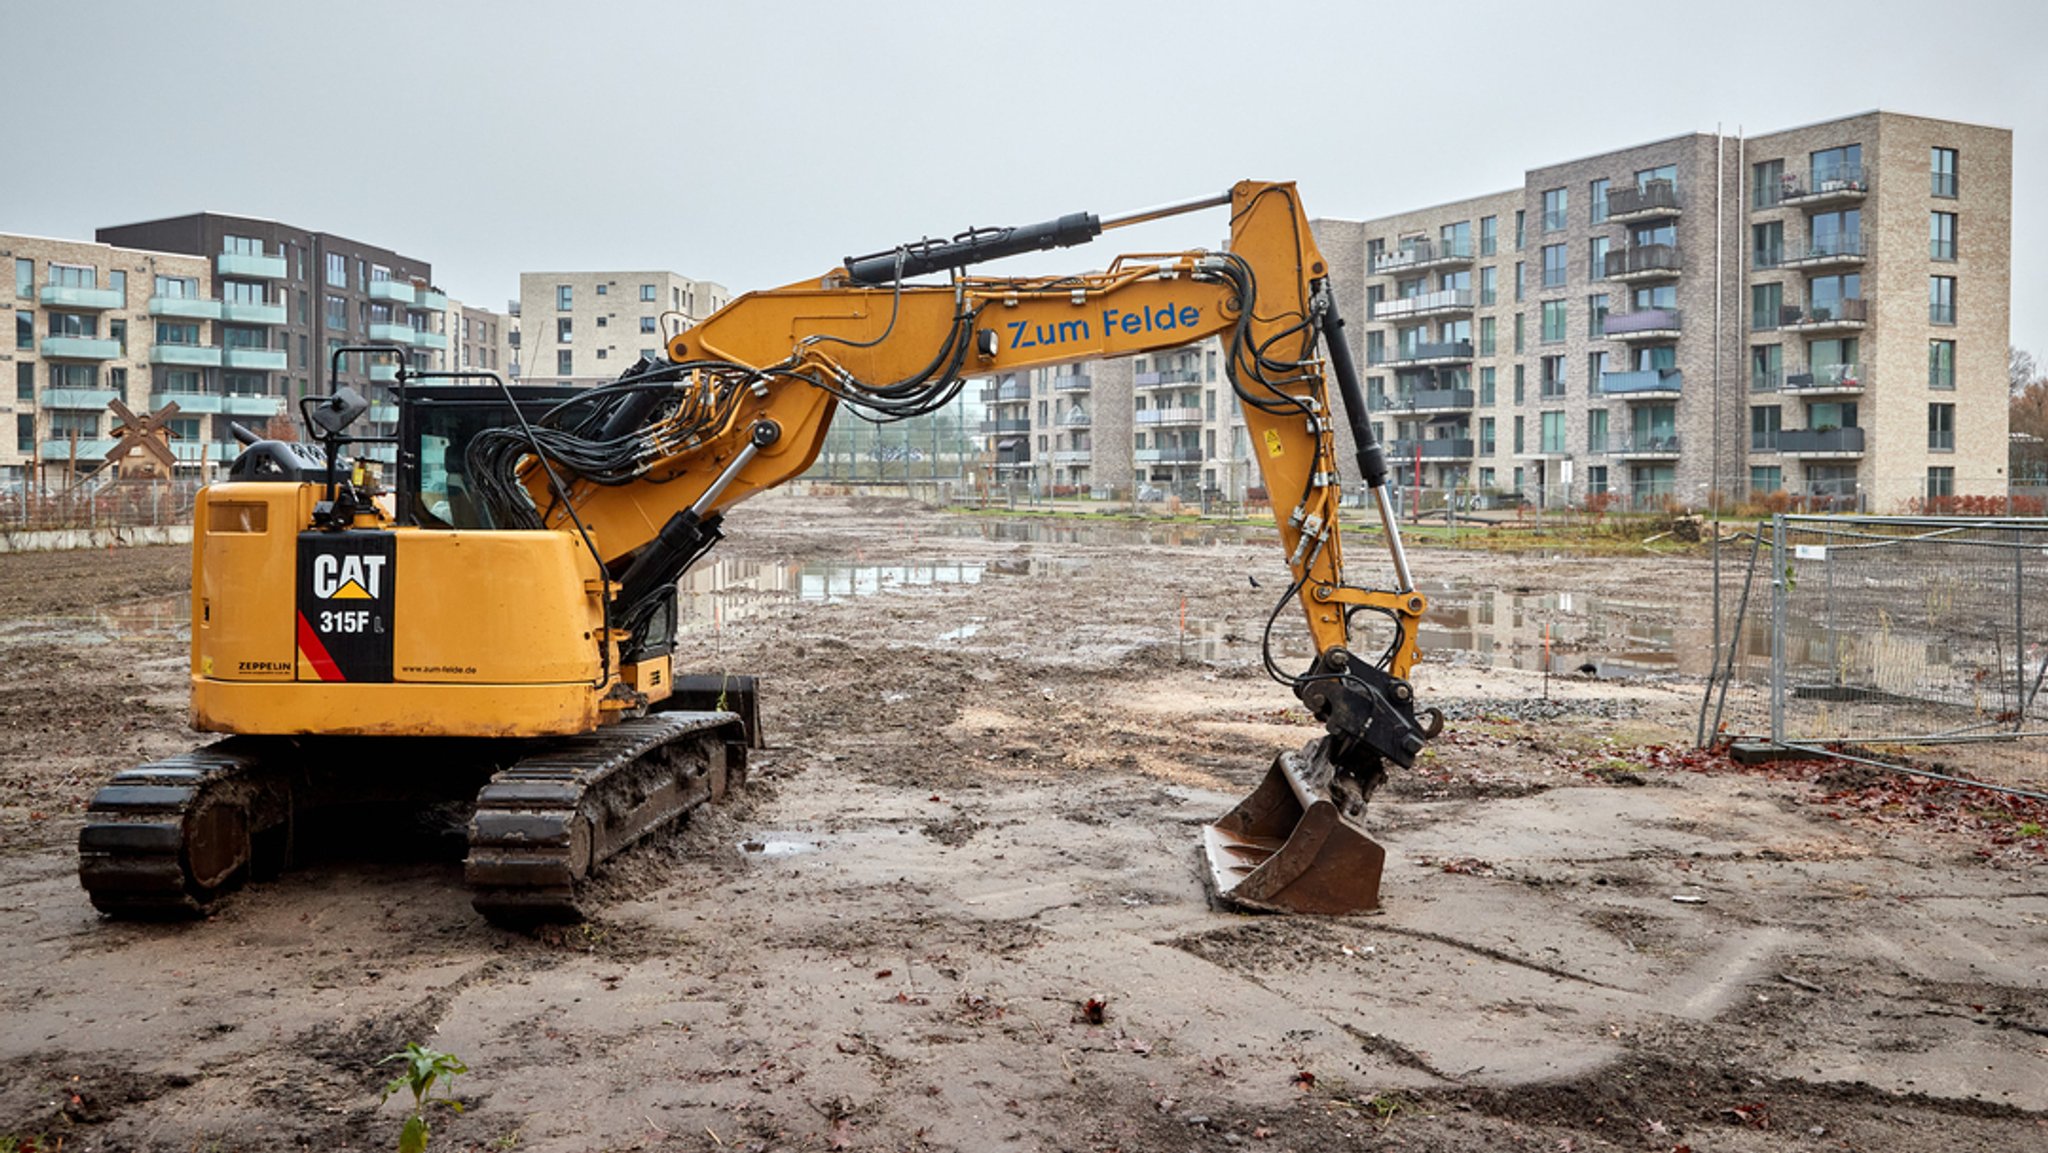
1521,280
1941,300
1943,163
1521,385
1553,378
1486,436
1596,315
601,321
562,329
600,354
72,324
1826,296
1941,481
647,294
24,277
1521,441
564,297
1556,201
1767,244
1766,478
1518,334
647,324
1489,286
1766,421
1766,306
335,316
1598,206
1767,183
178,287
241,245
601,289
563,362
1941,364
1837,167
1488,393
337,270
24,330
1553,432
1766,367
1489,235
172,332
1836,233
24,380
362,275
1486,336
1455,239
1553,321
1941,236
1596,258
1941,428
73,275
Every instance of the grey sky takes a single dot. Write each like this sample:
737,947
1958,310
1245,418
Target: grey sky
754,144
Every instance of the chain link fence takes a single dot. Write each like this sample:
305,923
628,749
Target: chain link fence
1894,635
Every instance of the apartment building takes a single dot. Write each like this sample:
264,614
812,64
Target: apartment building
95,323
479,340
289,297
1821,311
588,327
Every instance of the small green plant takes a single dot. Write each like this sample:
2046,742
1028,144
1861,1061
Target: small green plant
2030,829
423,1067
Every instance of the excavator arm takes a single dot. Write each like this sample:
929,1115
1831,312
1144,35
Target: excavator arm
644,467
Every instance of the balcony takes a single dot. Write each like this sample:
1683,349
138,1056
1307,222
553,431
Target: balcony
1428,400
93,449
427,300
1165,379
1430,355
185,355
1828,442
1651,447
1823,379
1643,384
421,338
1421,255
1070,456
1014,452
1442,448
385,333
1005,426
247,312
254,359
1841,251
392,291
1654,200
1446,302
243,405
1643,324
1178,455
1076,418
386,414
81,348
1003,392
1832,186
1643,262
1074,382
1167,416
66,296
384,373
249,265
185,307
84,399
1843,315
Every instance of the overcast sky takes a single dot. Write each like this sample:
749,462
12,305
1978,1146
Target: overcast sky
757,143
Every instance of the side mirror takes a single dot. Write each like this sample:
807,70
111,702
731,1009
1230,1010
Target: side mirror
337,412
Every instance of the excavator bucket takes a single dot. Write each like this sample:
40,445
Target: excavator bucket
1289,847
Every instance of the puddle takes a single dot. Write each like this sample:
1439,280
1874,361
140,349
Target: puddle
961,633
729,590
157,618
1104,532
1607,637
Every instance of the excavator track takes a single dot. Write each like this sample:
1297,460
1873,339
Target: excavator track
544,823
166,839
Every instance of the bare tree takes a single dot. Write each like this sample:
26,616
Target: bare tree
2021,369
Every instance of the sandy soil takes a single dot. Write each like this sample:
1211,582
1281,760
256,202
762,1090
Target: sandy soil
979,811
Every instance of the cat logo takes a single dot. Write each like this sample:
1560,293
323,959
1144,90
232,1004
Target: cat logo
348,578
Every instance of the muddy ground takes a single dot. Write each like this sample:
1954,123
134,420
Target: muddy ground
979,810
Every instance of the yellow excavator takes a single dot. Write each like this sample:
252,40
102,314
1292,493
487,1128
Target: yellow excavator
498,629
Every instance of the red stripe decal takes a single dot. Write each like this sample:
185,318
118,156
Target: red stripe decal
309,644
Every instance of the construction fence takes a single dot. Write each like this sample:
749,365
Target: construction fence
1900,638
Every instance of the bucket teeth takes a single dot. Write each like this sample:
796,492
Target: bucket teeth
1289,847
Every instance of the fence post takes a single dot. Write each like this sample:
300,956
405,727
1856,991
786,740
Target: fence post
1778,576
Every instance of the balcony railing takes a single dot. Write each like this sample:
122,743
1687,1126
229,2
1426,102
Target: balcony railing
73,296
1850,312
1941,314
1006,426
1554,221
1167,416
1003,392
1655,198
1643,323
1077,418
1842,182
1642,382
1070,455
1945,185
1165,377
1425,304
1177,455
1630,444
1426,400
1644,261
1839,250
249,264
1430,352
1817,442
1422,254
1440,448
1765,379
1822,378
394,291
1072,382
